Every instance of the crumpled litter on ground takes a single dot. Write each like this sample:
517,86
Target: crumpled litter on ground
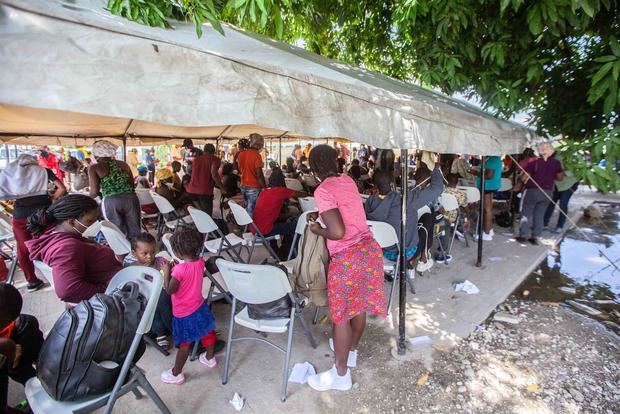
466,287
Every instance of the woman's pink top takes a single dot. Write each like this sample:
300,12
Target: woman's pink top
341,193
188,298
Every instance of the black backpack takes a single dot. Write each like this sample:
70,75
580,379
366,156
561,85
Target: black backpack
99,329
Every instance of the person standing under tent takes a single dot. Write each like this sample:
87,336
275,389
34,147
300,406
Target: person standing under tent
114,181
49,160
307,150
151,163
492,183
355,283
204,177
132,160
543,172
344,152
25,179
564,190
250,166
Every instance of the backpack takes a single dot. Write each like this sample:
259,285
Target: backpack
22,178
311,264
71,362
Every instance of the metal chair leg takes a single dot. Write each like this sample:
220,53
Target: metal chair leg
287,357
13,268
315,318
307,331
231,325
148,388
137,393
394,283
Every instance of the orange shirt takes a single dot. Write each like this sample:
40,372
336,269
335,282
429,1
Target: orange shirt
249,161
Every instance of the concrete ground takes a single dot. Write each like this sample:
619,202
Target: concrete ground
435,310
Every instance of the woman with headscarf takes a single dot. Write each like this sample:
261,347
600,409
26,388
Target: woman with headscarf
165,187
113,180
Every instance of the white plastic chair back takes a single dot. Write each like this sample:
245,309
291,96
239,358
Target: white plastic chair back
383,233
293,184
217,204
448,201
472,193
423,210
241,215
45,270
302,222
307,203
311,181
204,223
92,230
115,238
165,239
150,282
6,230
506,184
162,204
254,284
364,197
144,196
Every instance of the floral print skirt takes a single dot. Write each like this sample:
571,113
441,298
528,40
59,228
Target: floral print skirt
355,282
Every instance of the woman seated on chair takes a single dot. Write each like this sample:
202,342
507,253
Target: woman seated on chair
80,267
165,188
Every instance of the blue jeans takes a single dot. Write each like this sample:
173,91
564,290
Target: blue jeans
250,195
563,197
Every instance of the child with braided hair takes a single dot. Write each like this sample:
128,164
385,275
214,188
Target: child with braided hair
192,319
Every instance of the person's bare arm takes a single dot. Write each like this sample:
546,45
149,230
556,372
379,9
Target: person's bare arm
334,226
215,175
61,190
298,194
261,177
560,176
171,285
93,181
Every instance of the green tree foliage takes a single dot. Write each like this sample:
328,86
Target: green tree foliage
558,60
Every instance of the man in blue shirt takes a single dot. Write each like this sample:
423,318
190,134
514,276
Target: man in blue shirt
492,183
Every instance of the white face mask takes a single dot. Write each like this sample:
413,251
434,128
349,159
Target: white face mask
81,224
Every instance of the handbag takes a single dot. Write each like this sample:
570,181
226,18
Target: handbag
277,309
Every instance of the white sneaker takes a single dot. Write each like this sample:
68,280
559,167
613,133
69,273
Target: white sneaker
422,267
351,360
167,377
330,380
210,363
485,236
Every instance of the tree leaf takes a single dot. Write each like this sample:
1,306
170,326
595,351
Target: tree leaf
600,74
615,46
606,58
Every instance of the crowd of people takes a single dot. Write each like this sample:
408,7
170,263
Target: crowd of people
48,225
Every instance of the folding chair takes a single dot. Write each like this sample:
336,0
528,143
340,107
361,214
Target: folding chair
93,230
131,377
449,203
386,236
144,196
294,184
222,243
115,238
259,284
244,220
164,208
307,203
45,271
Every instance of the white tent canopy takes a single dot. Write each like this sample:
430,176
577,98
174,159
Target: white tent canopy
76,58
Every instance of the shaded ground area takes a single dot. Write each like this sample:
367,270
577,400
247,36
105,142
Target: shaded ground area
573,361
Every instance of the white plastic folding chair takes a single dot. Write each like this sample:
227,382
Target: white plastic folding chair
130,378
307,203
472,194
294,184
45,271
364,197
165,208
506,185
230,244
93,230
244,220
449,203
115,238
255,285
144,196
386,236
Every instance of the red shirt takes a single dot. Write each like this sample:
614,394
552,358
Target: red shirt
202,182
249,161
268,207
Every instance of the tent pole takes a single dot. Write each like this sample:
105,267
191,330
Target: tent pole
481,210
402,299
8,153
124,147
